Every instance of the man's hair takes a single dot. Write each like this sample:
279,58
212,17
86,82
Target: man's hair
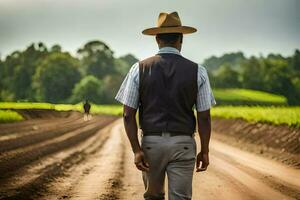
169,38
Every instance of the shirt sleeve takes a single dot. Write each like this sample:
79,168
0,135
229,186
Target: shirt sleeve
128,93
205,97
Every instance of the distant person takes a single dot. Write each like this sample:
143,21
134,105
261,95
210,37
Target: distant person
165,88
86,108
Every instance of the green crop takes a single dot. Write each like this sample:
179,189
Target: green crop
265,114
247,97
273,115
25,105
9,116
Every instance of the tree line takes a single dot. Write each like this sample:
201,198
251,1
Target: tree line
273,73
44,74
51,75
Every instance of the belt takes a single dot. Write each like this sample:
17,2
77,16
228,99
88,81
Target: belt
167,133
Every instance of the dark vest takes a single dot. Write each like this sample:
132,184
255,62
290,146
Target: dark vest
168,92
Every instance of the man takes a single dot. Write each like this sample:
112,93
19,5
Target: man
165,88
86,108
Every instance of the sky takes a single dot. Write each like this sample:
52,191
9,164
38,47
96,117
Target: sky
254,27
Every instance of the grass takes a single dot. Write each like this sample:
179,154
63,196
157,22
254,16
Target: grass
26,105
96,109
107,109
9,116
247,97
272,115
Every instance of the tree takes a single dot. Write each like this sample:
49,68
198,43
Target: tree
227,77
55,77
1,73
232,59
295,78
124,63
111,84
294,98
97,58
278,79
19,68
252,74
129,59
7,74
89,88
1,78
56,48
295,61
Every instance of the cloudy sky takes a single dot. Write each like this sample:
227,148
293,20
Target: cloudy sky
254,27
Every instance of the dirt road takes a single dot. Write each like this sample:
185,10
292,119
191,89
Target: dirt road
73,159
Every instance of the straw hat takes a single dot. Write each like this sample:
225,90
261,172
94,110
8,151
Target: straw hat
169,23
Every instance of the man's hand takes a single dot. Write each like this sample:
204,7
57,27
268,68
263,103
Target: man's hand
131,131
140,161
203,158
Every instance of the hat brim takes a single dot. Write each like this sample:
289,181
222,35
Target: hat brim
177,29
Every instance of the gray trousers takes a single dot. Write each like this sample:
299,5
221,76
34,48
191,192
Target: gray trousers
171,155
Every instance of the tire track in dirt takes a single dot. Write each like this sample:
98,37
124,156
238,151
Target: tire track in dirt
105,181
25,186
287,174
265,177
64,135
24,157
238,183
21,159
39,136
101,167
99,177
253,186
38,128
23,127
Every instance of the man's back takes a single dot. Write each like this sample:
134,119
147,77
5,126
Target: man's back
87,107
168,92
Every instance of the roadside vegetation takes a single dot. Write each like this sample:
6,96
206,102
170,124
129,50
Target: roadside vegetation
276,115
247,97
9,107
272,115
9,116
273,73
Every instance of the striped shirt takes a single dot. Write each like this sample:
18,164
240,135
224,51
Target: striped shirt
128,93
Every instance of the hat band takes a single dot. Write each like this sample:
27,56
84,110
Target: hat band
168,26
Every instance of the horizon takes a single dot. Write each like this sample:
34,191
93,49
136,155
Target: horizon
74,54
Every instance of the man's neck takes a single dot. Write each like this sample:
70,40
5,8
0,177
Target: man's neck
170,46
168,50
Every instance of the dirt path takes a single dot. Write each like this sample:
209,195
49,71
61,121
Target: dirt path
92,162
232,174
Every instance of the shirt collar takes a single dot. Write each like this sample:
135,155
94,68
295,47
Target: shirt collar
169,50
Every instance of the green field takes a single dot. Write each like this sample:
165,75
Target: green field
273,115
247,97
96,109
26,105
9,116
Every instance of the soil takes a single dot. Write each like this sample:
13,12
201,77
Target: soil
65,157
281,143
43,113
